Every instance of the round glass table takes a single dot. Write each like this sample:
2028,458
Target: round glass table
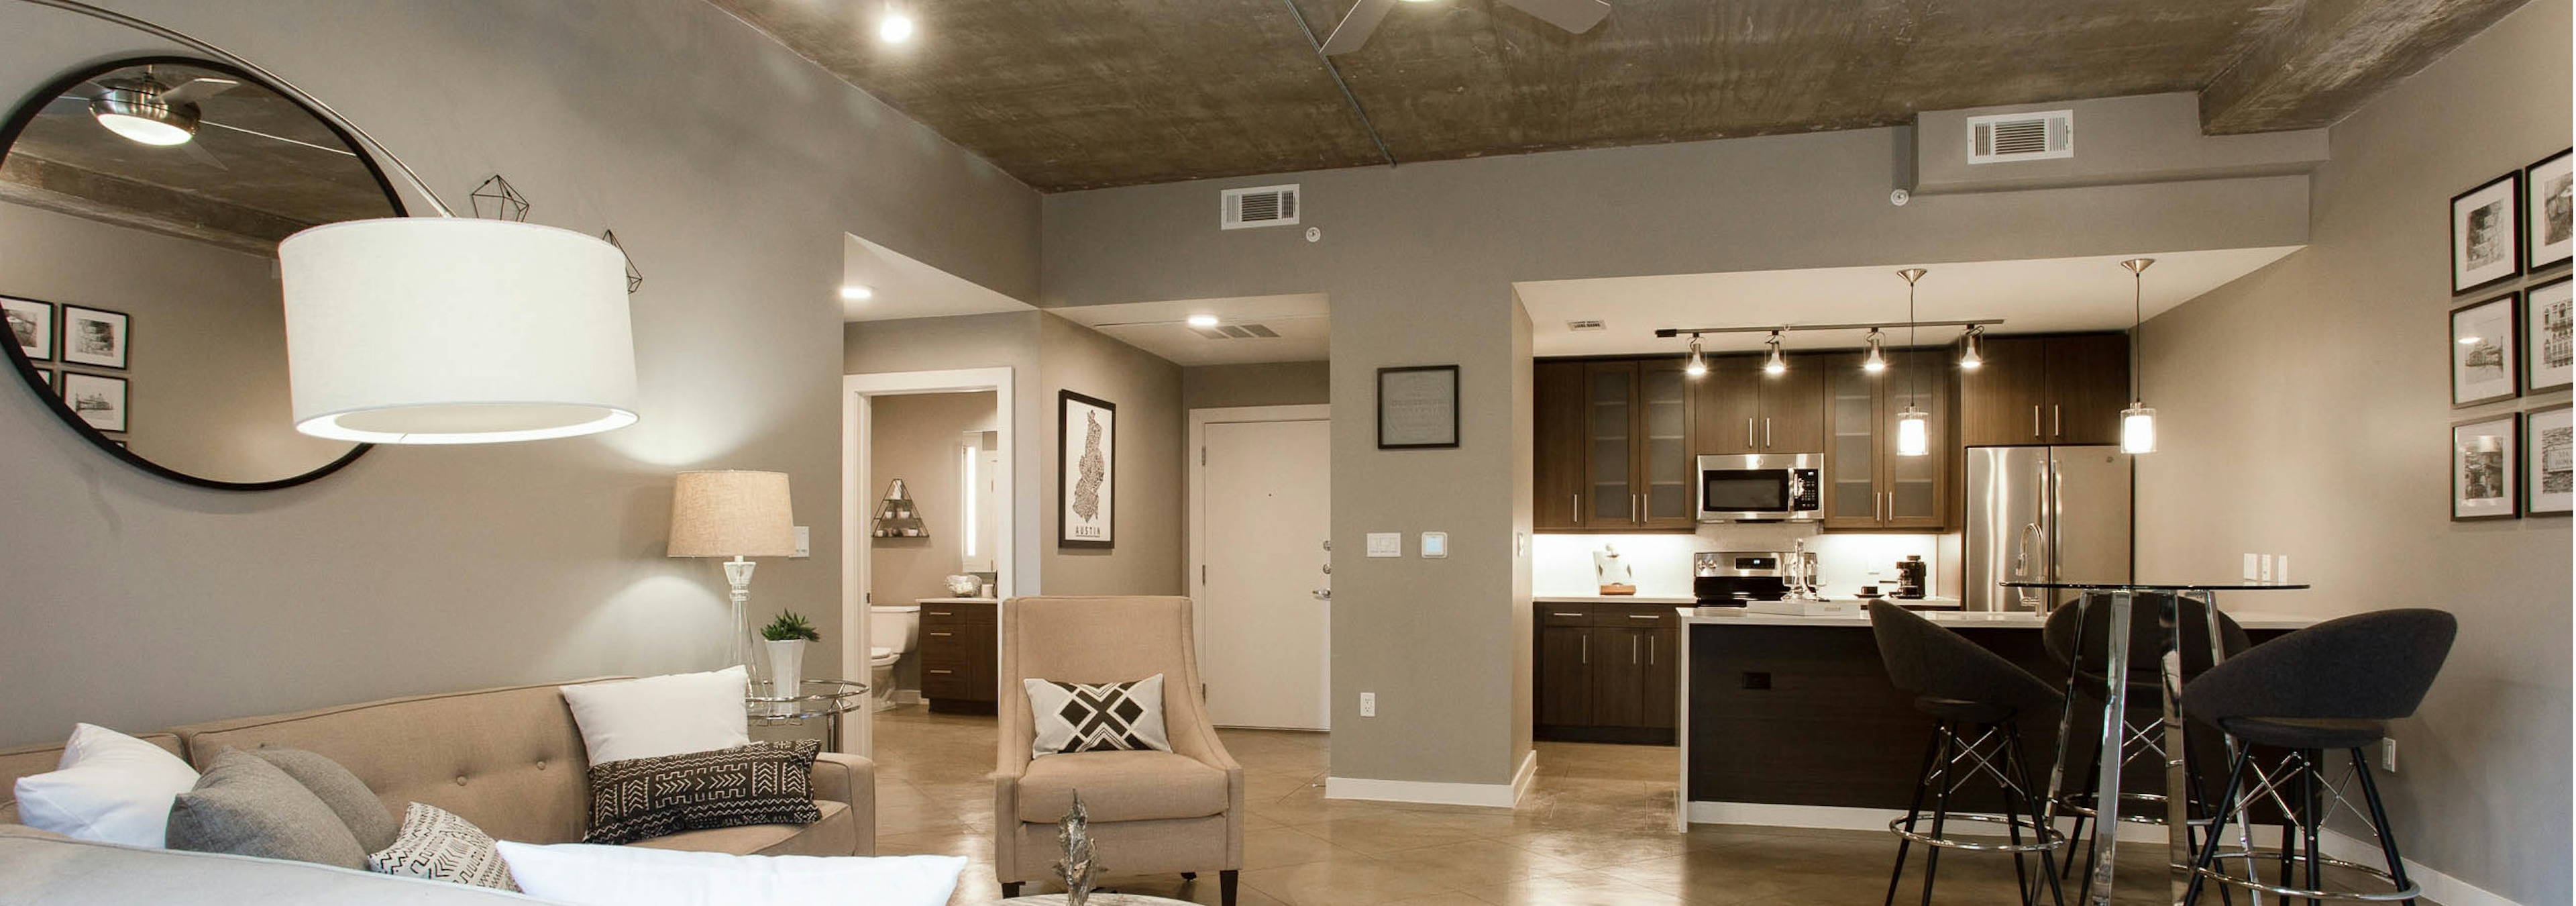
1098,898
2120,597
818,699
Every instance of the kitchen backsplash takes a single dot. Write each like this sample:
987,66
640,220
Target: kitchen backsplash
1562,564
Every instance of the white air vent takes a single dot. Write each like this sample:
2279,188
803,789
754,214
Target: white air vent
1261,206
1586,324
1237,332
2040,135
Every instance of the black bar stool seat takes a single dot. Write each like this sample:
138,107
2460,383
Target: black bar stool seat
1976,696
2305,732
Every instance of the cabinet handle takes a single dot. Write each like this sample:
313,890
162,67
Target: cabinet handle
2034,419
1632,649
1637,508
941,613
1650,651
1748,433
942,671
1643,616
1554,614
1766,433
943,634
1578,507
1587,650
2056,420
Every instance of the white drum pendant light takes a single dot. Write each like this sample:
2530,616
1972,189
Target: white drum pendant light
450,330
1913,426
2138,422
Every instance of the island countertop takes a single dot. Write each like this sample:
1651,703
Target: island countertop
1731,616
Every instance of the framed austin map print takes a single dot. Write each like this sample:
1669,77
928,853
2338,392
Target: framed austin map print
1086,430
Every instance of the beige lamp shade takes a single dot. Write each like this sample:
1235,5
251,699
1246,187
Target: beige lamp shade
731,514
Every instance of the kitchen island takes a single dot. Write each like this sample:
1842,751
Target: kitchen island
1791,720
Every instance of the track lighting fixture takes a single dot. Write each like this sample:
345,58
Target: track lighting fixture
1775,362
1875,360
1698,364
1972,351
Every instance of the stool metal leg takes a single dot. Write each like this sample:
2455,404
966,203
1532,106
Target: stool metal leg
1940,807
2020,768
2313,818
2379,823
2209,846
1914,811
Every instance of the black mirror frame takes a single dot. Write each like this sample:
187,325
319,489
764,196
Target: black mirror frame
26,113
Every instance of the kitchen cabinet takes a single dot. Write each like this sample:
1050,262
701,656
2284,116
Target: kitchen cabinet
1743,410
2062,389
960,641
1612,446
1867,486
1607,672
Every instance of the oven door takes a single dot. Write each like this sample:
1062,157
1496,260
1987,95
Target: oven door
1757,488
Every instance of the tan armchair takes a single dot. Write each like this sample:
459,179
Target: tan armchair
1151,812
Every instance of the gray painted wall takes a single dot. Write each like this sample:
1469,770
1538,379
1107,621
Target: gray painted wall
726,165
1257,384
1419,261
915,438
2306,411
1007,340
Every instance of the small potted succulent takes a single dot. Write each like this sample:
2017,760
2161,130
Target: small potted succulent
786,638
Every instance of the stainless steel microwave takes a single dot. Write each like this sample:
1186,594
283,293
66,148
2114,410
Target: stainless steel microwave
1761,487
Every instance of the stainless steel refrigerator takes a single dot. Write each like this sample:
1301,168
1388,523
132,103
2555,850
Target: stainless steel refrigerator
2044,514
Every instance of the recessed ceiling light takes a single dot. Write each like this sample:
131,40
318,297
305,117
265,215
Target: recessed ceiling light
1202,321
857,293
895,28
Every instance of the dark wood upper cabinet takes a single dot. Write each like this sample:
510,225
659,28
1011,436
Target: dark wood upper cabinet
1868,487
1613,445
1557,431
1742,410
2066,389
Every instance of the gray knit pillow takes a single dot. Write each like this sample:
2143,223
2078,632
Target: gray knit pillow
246,806
348,797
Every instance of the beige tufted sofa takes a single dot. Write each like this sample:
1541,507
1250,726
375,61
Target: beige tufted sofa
510,760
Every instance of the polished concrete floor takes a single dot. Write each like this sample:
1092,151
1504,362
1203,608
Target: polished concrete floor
1592,832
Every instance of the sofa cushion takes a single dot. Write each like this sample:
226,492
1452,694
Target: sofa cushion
437,845
1121,786
837,834
247,807
105,786
348,797
760,783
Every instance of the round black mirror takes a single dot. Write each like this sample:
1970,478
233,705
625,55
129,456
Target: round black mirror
141,203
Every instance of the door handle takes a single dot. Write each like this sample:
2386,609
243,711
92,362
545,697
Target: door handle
2034,419
1748,433
2056,420
1323,594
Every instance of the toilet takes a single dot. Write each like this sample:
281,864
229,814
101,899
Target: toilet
892,629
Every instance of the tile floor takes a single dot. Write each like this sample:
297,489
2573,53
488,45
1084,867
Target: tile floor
1592,832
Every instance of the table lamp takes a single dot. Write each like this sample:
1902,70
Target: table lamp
733,514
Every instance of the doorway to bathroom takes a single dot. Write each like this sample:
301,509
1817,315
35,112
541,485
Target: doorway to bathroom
928,514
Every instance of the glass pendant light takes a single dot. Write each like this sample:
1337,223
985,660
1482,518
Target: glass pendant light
2137,423
1973,353
1775,362
1913,426
1698,364
1875,360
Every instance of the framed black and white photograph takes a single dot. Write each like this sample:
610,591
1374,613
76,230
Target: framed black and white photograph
94,337
98,399
45,376
2549,462
2483,473
1087,449
2485,223
32,324
2548,337
1417,407
2484,357
2549,210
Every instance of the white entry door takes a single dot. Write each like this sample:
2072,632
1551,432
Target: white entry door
1265,593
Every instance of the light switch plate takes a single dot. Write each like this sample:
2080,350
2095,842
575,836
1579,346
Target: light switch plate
2281,569
2252,572
2265,562
1386,544
804,542
1435,545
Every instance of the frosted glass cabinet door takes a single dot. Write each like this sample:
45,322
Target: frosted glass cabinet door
1851,438
1610,415
1664,462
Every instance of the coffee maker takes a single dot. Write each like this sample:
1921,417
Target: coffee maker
1909,577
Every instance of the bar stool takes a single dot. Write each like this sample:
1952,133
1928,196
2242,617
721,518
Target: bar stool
2334,685
2063,635
1966,688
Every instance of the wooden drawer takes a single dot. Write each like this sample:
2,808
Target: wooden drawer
1633,616
1563,614
958,613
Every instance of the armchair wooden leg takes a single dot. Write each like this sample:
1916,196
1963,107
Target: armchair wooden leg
1189,876
1225,881
1010,889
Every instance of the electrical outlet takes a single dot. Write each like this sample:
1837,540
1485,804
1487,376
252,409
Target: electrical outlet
1368,704
2252,572
2388,754
804,542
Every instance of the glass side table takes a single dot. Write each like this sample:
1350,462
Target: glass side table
824,699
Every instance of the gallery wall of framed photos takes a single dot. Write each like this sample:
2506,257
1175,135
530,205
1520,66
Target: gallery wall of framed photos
2513,344
82,353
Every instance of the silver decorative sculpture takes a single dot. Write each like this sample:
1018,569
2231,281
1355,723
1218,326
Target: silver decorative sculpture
1079,867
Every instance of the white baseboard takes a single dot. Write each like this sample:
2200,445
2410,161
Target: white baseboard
2439,887
1488,795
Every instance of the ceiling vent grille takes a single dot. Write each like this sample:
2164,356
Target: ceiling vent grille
1587,324
1260,206
1237,332
2040,135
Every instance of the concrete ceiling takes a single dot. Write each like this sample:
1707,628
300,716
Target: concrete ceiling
1084,95
2032,296
226,186
1300,325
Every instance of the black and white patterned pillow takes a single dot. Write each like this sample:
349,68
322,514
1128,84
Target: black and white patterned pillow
761,783
1080,717
437,845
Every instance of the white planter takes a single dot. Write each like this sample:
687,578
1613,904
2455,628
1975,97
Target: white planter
786,671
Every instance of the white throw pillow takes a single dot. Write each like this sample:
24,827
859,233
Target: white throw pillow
661,715
1107,717
588,875
108,787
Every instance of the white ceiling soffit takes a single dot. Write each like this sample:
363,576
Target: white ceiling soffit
901,287
2033,296
1300,322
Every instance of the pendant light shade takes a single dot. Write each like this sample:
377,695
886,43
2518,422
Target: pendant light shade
1698,364
1913,432
446,330
1775,362
2137,429
2138,422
